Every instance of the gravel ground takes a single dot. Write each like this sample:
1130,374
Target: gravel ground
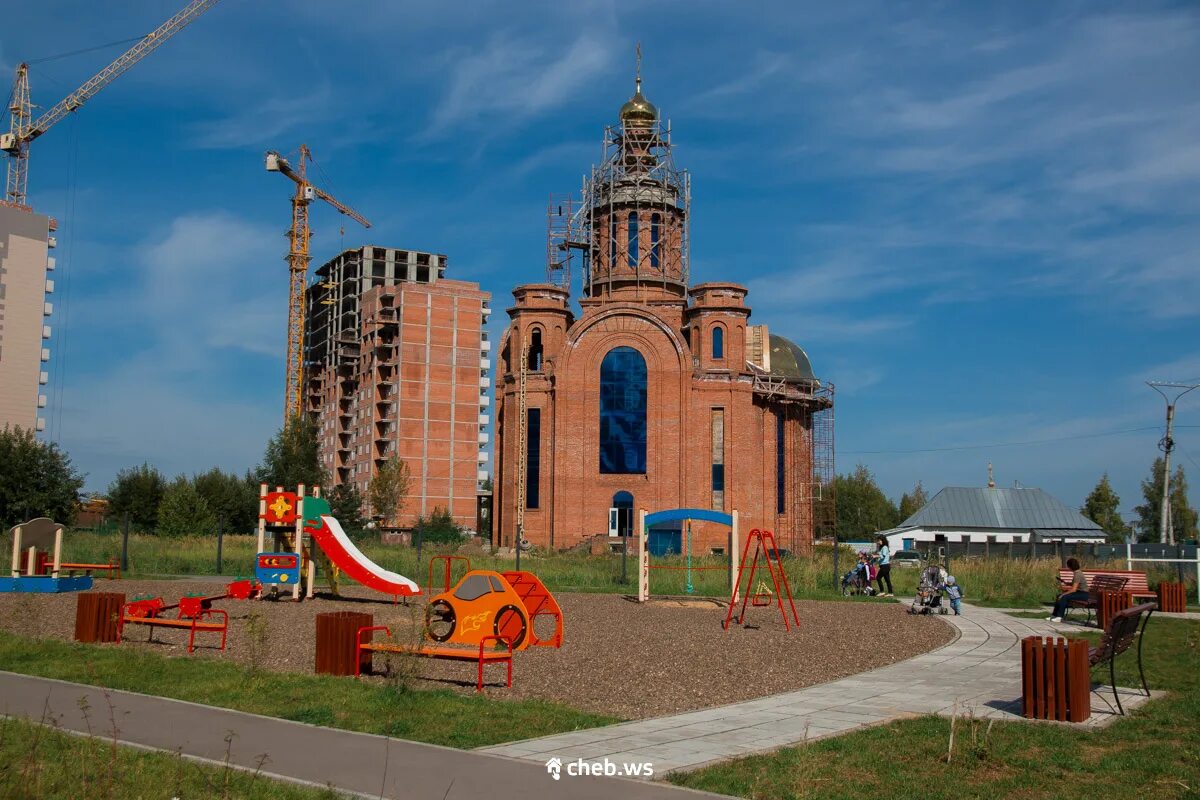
617,657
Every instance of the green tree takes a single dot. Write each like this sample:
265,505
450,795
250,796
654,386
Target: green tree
912,503
862,507
388,491
1183,516
439,528
1102,507
36,479
183,511
230,499
137,491
346,505
292,457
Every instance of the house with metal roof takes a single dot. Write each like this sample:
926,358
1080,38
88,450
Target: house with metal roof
992,514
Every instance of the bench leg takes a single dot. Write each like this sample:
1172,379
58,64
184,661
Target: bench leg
1112,674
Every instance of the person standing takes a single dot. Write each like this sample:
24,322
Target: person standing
1075,590
884,555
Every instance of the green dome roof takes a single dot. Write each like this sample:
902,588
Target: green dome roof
788,360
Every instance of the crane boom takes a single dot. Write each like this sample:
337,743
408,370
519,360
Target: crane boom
298,258
23,129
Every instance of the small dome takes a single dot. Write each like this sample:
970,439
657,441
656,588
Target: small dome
788,360
639,111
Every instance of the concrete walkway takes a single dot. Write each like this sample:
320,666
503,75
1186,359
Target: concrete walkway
355,763
979,673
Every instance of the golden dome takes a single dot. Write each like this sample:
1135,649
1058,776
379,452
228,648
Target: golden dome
639,112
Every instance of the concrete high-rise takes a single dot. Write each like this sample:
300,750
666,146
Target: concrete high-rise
26,239
397,364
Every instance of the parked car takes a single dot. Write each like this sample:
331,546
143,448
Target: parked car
907,558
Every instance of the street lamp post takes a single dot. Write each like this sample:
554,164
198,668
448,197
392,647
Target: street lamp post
1167,444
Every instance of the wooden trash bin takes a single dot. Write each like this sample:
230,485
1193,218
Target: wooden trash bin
1111,603
1055,679
1172,597
337,639
96,616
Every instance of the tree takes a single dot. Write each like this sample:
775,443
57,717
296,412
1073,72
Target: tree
230,499
912,503
36,479
439,528
137,491
346,505
1102,507
1183,516
183,511
292,456
862,507
388,491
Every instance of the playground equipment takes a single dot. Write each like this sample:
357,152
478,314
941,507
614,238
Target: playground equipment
484,608
291,516
33,568
764,548
685,515
193,612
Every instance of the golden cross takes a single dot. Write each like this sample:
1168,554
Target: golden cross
639,66
281,506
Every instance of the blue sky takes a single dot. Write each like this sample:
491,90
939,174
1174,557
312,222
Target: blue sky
979,219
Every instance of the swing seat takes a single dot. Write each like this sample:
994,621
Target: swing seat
760,600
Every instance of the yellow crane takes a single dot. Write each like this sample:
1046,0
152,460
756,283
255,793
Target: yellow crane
23,128
298,259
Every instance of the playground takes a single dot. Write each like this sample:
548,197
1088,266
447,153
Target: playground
618,657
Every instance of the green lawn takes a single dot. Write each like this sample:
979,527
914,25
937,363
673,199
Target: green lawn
40,762
1153,754
438,717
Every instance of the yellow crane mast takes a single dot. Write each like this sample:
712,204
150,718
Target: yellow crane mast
23,128
298,259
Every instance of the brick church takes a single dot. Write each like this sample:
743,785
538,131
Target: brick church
655,394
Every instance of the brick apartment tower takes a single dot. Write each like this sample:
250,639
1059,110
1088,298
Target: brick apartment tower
657,395
397,363
26,240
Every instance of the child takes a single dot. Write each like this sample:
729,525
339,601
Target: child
954,592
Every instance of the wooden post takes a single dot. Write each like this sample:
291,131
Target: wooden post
643,559
31,561
733,554
262,518
299,540
16,552
58,537
337,638
96,616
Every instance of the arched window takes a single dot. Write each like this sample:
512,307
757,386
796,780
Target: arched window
631,240
535,350
623,412
655,225
718,342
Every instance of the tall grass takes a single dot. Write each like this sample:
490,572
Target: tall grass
995,581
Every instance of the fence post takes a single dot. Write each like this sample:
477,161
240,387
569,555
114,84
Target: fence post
125,544
1128,555
1197,573
220,540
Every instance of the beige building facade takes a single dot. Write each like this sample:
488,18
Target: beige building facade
26,286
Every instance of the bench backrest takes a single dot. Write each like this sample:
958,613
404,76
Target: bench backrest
1111,580
1121,632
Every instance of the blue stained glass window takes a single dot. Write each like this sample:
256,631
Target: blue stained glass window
623,412
533,457
655,225
632,238
718,342
780,473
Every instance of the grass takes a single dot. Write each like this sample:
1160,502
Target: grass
42,762
997,581
1155,753
438,717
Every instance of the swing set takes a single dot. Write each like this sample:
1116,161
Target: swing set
686,516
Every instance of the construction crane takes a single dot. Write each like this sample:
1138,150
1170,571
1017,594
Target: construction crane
23,129
298,259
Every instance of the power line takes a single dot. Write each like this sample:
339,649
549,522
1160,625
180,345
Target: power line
84,50
1007,444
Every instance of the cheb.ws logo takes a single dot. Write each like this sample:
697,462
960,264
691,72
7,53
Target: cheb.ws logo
554,767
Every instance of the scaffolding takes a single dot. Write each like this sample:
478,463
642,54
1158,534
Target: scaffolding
636,176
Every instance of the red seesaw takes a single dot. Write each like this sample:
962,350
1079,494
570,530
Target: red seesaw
191,612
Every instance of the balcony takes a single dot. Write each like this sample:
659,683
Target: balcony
482,475
485,400
485,346
483,420
482,456
485,382
484,437
485,363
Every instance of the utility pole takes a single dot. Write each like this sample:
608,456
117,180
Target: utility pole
1167,444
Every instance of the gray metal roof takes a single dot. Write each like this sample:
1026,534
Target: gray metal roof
970,507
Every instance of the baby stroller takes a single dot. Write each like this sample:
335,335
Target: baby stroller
929,592
858,580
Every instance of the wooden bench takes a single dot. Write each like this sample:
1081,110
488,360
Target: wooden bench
480,656
1135,581
1124,627
1097,582
113,566
135,616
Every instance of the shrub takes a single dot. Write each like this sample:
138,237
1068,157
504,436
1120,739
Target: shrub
439,528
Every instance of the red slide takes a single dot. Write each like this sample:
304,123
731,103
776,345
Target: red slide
334,542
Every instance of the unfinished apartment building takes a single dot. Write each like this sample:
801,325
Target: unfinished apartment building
26,262
397,363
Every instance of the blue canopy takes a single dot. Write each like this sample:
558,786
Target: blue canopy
677,514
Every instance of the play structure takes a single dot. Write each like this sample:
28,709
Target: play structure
37,564
194,613
293,516
685,516
485,609
761,595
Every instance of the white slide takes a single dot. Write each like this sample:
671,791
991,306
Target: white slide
334,542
